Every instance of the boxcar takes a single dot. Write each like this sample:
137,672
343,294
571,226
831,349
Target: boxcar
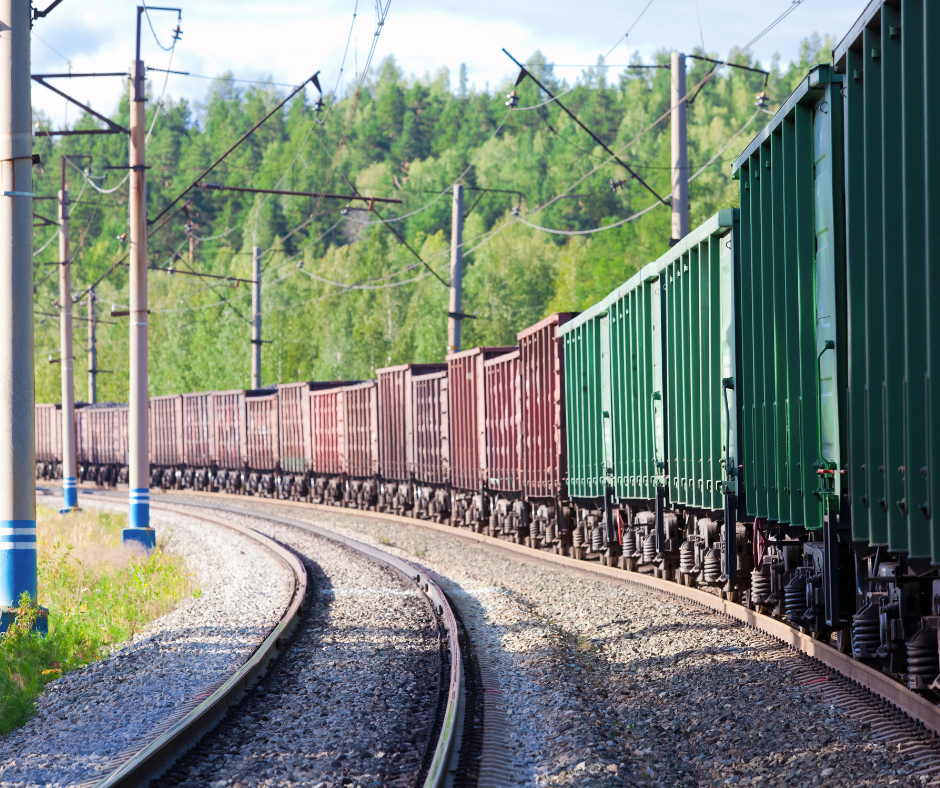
543,460
262,460
502,394
230,440
165,423
102,443
396,443
467,410
431,426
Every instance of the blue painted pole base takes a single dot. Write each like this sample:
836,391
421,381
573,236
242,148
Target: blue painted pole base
139,537
8,619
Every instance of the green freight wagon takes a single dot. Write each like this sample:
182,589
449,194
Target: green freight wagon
651,382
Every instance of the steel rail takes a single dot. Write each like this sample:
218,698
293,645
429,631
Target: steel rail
905,700
160,753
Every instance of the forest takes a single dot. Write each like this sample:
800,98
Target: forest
347,290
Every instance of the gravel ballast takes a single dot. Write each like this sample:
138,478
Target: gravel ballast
351,701
604,684
88,719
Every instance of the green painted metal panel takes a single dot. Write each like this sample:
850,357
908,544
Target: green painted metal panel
788,227
892,122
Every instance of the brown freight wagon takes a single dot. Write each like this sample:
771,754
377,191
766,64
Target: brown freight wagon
294,435
102,443
396,439
502,393
361,445
263,446
165,422
431,429
543,450
230,439
199,459
326,446
467,410
48,441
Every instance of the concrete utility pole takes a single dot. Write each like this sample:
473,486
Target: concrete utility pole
69,482
17,390
139,531
456,273
92,351
255,317
680,151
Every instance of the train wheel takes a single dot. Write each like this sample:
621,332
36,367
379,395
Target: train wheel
844,640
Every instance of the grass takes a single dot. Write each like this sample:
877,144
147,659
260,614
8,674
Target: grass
97,595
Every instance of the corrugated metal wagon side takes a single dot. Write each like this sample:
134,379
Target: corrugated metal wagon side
361,444
199,453
396,440
230,439
467,407
431,425
103,443
543,458
48,441
261,417
165,421
326,446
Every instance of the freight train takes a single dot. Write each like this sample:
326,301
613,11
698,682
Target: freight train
753,412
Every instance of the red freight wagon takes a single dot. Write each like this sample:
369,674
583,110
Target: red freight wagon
198,438
263,443
102,442
431,428
542,368
326,445
294,434
396,433
48,441
503,422
467,410
230,438
165,421
361,444
543,451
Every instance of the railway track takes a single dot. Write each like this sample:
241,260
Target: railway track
895,714
286,681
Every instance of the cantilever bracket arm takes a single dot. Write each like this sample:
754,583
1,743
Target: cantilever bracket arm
40,14
111,124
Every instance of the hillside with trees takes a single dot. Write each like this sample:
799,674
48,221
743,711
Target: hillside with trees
342,295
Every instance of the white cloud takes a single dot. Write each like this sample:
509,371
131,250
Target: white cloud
289,40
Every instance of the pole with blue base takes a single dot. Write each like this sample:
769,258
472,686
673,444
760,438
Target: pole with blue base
139,532
69,486
17,391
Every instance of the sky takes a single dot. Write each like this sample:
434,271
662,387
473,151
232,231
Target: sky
289,40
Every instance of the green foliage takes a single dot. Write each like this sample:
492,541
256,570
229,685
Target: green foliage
97,596
342,296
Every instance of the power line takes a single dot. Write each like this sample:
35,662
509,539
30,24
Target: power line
627,34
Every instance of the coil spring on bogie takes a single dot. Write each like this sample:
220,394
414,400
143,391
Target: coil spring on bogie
866,632
794,598
922,662
649,548
597,538
760,585
712,566
629,542
577,537
686,558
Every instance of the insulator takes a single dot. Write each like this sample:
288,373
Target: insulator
866,636
597,539
577,537
712,566
649,549
629,542
686,558
760,586
794,598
